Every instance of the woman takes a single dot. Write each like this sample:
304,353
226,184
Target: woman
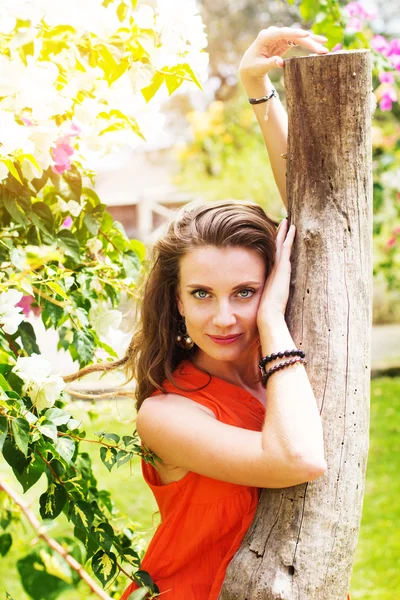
214,305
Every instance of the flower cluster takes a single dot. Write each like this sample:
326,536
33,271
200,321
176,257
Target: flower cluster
72,76
42,387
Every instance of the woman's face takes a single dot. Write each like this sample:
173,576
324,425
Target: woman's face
219,293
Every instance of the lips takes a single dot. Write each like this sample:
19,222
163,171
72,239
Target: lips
226,337
229,339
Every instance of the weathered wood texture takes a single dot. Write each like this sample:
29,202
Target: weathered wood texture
302,542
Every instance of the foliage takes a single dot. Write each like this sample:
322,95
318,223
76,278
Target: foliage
78,82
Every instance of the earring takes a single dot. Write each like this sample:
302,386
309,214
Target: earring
183,339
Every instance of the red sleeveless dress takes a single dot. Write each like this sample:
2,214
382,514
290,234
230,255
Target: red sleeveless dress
203,520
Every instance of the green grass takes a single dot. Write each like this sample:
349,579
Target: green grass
376,571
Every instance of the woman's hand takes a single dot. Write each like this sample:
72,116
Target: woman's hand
275,295
266,52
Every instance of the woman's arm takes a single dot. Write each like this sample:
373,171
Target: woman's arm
274,130
264,54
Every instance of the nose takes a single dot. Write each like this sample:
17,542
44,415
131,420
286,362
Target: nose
223,316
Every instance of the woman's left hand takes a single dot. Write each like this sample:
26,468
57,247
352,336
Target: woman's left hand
266,52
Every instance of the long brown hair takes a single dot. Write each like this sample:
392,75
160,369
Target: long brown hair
153,354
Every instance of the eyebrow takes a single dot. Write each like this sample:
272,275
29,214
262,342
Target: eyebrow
209,289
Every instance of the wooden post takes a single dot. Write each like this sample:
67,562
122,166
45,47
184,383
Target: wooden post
302,541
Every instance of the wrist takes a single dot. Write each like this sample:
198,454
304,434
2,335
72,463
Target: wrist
256,87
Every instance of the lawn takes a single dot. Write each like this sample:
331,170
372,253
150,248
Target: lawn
376,572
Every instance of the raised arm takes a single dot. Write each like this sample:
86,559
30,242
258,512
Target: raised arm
264,54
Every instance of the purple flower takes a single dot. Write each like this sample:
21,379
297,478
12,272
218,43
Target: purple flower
336,48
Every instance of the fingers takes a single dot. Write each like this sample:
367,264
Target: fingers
284,240
301,37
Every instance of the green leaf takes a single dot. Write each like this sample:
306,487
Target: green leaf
48,429
73,178
13,207
81,514
104,565
103,533
84,346
42,217
108,436
3,428
20,429
11,167
13,455
52,314
31,474
149,91
57,416
35,579
4,383
108,457
123,457
65,447
139,248
40,182
69,244
5,543
28,338
128,440
52,501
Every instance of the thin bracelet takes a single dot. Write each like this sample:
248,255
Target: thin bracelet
265,99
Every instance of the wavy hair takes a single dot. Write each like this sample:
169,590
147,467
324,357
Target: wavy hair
153,354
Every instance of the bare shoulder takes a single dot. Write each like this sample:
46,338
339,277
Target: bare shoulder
175,400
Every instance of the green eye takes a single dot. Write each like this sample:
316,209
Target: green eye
199,292
249,291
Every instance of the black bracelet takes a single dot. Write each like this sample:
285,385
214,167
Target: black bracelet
274,356
264,98
267,374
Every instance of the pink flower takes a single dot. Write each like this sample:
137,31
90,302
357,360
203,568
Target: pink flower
394,47
387,98
68,222
396,231
61,155
63,151
336,48
386,77
26,304
391,242
380,44
355,9
27,121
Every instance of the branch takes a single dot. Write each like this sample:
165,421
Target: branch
52,543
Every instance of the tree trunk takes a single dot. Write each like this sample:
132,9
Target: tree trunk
302,541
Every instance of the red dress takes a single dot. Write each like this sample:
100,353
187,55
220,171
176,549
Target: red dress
203,520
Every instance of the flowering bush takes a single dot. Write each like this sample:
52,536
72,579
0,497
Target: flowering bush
78,81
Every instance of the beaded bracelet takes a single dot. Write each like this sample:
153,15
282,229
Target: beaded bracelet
273,356
267,374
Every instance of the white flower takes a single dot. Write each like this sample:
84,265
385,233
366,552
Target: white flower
72,207
94,245
10,315
13,137
104,319
42,387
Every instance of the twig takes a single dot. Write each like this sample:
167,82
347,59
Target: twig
52,543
